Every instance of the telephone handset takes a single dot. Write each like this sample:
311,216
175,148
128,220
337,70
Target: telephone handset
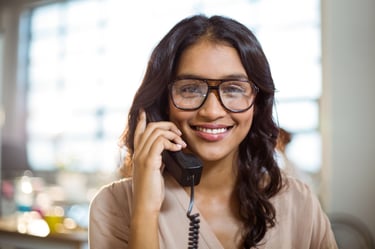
185,168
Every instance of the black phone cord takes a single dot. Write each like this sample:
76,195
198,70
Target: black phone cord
194,221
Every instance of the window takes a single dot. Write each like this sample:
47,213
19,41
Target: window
83,72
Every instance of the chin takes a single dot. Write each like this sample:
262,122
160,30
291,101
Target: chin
210,157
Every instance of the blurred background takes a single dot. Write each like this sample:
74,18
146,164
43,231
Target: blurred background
69,70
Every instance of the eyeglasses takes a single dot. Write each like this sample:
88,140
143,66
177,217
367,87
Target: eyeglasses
234,95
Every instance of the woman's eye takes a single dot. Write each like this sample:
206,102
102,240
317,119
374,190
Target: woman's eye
233,89
189,89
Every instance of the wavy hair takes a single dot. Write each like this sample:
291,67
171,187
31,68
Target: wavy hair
258,177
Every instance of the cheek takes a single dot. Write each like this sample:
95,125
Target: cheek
250,119
177,116
246,121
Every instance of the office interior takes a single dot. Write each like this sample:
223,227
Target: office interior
345,125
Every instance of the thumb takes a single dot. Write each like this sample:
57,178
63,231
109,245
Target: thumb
140,128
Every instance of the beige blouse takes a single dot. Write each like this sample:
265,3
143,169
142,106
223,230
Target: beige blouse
301,223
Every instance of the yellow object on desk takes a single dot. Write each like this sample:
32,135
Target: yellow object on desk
55,219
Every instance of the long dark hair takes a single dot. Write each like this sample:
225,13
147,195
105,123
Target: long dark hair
258,177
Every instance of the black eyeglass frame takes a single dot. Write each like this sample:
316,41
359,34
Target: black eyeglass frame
211,88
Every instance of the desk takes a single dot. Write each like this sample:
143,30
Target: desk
11,239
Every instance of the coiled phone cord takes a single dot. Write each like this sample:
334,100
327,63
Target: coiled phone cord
194,221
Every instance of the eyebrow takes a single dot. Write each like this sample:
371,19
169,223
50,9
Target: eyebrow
230,76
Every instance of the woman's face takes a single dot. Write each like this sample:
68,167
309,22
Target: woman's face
211,132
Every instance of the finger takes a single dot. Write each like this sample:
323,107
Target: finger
154,128
162,125
156,148
163,129
140,128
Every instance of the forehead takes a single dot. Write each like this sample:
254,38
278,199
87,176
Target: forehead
208,59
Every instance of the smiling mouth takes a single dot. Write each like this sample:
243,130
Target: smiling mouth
212,131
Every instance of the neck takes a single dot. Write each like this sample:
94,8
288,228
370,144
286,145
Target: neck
217,177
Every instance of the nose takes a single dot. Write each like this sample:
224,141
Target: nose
212,107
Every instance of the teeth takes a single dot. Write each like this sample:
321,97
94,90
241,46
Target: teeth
212,131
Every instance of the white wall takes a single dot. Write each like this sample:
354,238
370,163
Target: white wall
348,118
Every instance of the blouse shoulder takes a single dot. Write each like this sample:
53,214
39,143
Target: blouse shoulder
117,192
110,205
296,188
300,217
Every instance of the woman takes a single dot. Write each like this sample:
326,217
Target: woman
209,81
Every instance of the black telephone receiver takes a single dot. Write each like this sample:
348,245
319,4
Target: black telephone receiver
185,168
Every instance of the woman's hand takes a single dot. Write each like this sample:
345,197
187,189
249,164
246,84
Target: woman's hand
150,140
149,143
